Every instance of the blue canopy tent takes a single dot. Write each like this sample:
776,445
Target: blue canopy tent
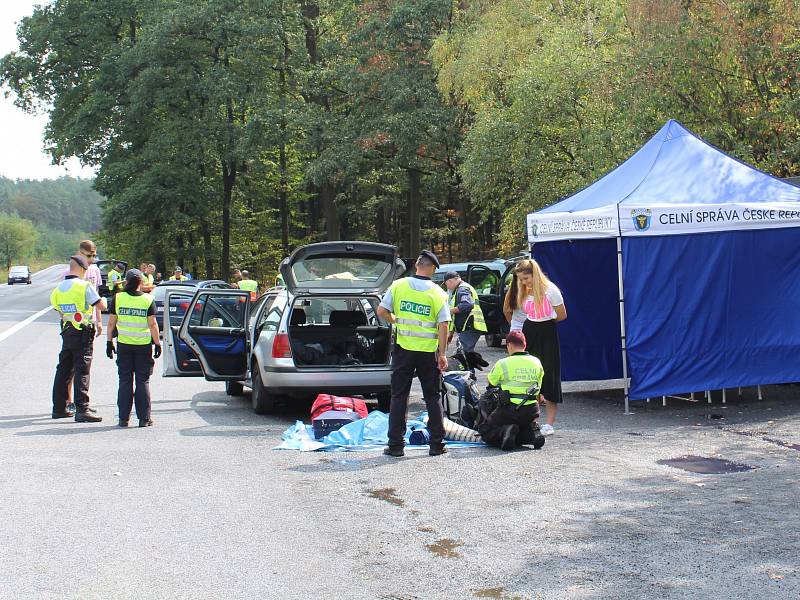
680,268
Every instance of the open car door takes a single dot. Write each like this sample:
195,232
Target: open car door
178,358
488,285
215,329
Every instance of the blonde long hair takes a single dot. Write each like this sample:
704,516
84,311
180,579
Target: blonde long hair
515,297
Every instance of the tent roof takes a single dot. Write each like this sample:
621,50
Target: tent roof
675,184
676,167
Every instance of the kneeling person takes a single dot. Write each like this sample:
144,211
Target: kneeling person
519,378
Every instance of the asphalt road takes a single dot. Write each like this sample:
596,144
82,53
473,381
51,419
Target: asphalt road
200,506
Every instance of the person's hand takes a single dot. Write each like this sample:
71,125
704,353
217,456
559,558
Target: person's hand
442,360
98,329
110,350
157,351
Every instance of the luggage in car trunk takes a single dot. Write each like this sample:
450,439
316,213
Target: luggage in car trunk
345,340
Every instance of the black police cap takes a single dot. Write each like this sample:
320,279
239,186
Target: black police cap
431,257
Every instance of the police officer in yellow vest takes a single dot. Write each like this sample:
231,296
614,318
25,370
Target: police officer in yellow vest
418,308
148,283
178,276
75,299
519,379
468,321
133,317
248,285
115,278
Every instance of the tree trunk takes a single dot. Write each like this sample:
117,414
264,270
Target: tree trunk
179,253
193,251
414,201
327,196
228,180
380,223
208,251
283,200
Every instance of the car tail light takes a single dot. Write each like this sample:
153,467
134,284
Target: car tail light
281,347
184,306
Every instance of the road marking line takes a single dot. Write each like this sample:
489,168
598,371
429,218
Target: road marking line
48,268
11,331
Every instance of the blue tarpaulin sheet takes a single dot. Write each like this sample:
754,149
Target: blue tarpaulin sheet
370,433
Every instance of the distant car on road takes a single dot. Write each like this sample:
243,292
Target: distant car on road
318,334
490,279
19,274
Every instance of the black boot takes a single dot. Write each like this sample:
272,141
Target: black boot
148,422
437,450
396,452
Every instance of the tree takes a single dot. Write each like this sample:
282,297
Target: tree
17,237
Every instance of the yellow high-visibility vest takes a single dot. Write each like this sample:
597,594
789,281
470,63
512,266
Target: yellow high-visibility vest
416,315
478,322
72,305
131,314
517,374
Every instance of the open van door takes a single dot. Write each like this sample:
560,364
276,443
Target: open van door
178,359
215,328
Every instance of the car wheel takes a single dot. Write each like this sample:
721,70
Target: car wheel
234,388
263,401
384,401
493,340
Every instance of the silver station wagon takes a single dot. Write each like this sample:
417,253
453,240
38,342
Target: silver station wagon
319,334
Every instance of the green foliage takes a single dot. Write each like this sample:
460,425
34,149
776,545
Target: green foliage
227,132
17,237
561,92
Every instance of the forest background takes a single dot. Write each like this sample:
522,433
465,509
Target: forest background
227,132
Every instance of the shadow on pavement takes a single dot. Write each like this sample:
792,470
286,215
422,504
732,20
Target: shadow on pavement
235,415
72,428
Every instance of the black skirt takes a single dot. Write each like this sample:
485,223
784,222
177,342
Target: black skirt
542,342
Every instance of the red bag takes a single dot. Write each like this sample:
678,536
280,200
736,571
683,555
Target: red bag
326,402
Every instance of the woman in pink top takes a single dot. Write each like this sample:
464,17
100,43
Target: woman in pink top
534,304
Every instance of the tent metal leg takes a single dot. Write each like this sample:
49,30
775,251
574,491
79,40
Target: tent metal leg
622,326
760,397
723,396
740,392
708,395
663,400
691,396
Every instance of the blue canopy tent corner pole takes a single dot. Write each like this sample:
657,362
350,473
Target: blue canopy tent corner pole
622,325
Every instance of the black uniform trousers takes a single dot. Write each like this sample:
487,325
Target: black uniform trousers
510,414
134,364
74,364
405,363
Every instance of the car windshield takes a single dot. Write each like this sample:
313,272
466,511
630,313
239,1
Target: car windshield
339,272
161,291
19,271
